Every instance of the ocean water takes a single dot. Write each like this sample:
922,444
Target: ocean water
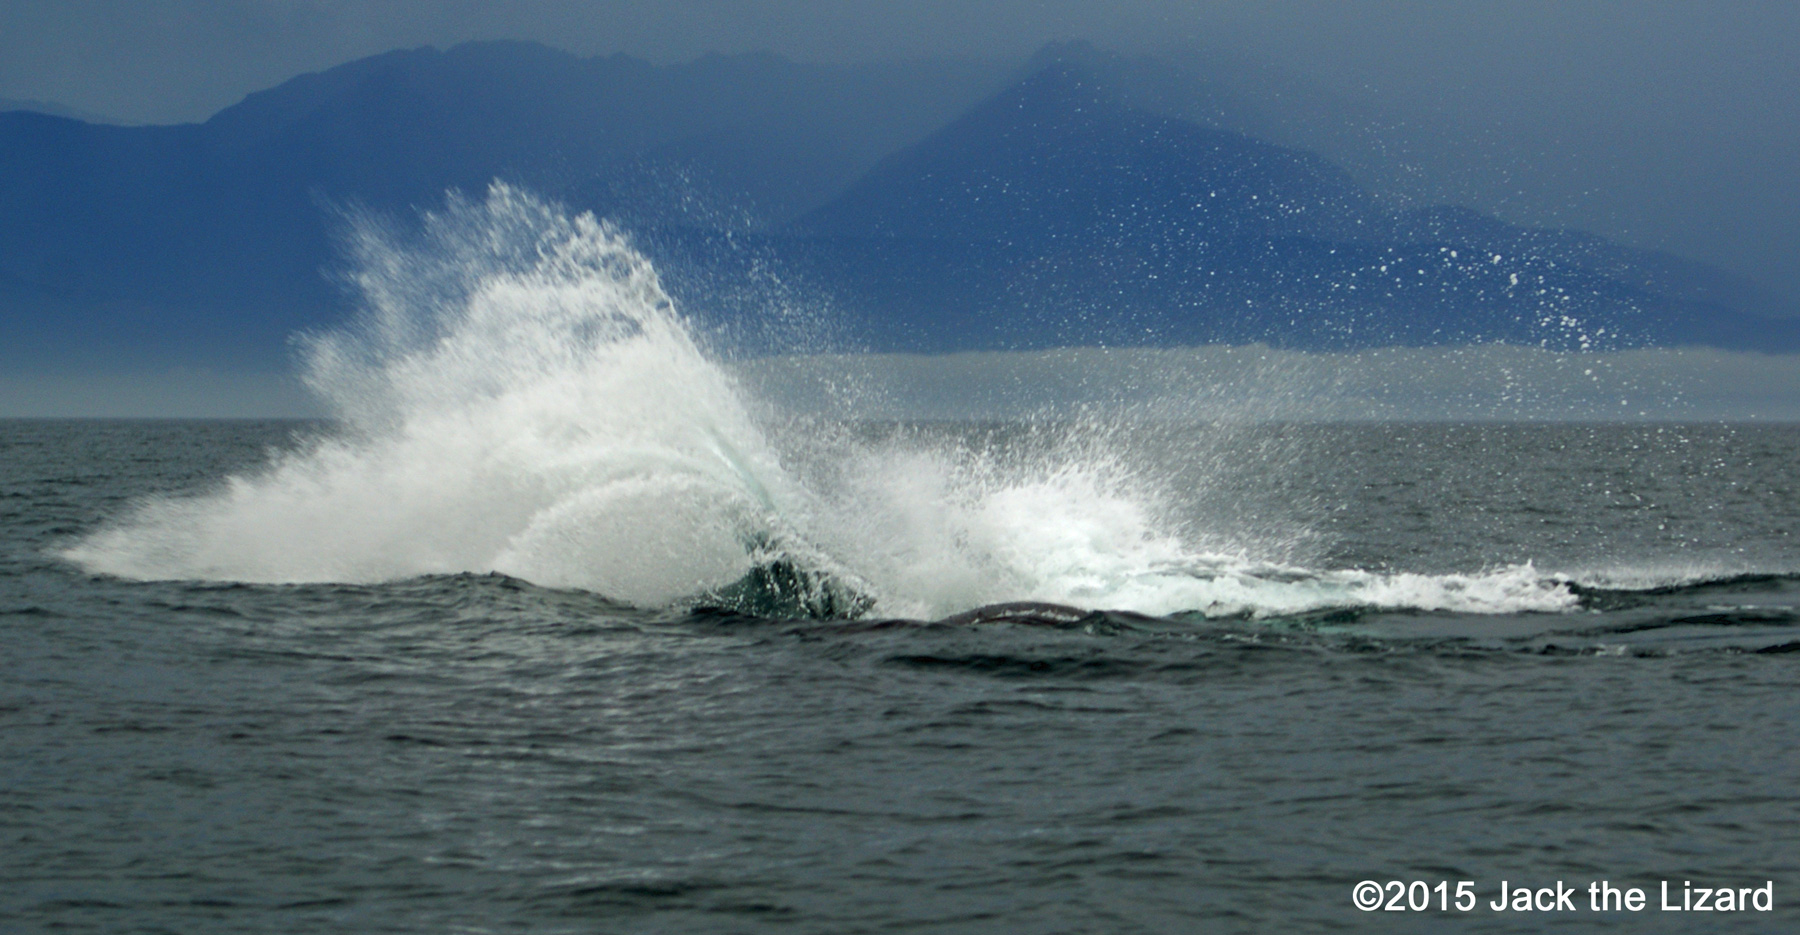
557,627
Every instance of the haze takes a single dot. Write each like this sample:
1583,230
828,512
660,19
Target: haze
1667,125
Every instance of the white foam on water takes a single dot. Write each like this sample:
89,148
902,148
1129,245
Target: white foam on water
522,396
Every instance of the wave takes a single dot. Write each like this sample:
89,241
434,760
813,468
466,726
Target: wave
522,396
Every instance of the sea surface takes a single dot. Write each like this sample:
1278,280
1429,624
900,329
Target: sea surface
559,625
474,753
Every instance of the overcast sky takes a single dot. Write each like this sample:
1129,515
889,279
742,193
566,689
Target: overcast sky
184,59
1668,124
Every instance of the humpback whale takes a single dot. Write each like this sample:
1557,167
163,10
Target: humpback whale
785,588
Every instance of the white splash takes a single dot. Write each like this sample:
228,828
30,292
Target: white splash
522,396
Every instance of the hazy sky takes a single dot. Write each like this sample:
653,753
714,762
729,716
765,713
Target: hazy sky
184,59
1669,124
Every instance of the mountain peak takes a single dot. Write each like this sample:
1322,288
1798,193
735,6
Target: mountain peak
1062,154
1074,75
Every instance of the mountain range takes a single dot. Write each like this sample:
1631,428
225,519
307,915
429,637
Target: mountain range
932,206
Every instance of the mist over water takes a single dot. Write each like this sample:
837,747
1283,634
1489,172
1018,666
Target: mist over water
521,396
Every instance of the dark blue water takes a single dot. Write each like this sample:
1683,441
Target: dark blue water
475,753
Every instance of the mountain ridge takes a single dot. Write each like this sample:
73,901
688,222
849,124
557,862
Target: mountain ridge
1216,236
946,207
